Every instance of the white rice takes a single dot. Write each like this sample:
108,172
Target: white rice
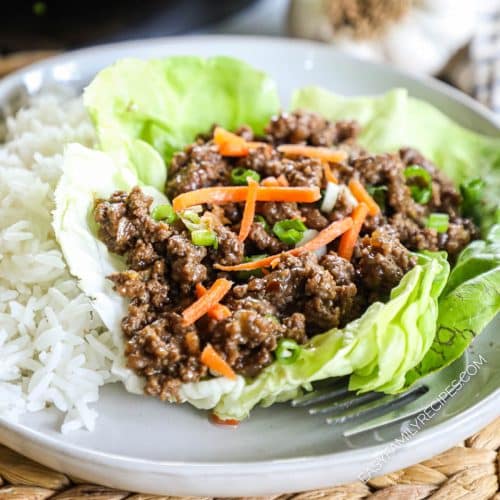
54,349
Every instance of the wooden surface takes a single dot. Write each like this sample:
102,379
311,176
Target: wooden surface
469,471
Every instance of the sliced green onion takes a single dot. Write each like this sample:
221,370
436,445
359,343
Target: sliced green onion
260,220
287,351
439,222
421,194
240,175
164,212
290,231
378,193
245,275
204,238
191,220
472,194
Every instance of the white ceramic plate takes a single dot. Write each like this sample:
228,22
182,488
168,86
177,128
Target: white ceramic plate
141,444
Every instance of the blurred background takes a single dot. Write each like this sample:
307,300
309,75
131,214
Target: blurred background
455,40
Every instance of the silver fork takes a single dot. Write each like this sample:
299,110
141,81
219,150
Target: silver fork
374,409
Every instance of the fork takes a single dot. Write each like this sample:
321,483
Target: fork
372,410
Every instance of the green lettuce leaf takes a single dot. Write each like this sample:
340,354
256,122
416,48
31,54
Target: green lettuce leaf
469,302
377,349
144,111
395,120
88,175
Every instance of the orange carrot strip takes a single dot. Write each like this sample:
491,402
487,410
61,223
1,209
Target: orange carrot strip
326,154
236,194
249,211
201,306
334,230
362,195
230,144
213,360
219,311
329,176
232,422
327,235
349,238
282,180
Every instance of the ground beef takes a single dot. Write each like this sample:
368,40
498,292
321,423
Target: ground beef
412,235
274,212
314,219
186,262
200,165
263,241
310,128
300,296
381,261
303,281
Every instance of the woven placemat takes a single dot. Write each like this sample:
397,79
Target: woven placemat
468,471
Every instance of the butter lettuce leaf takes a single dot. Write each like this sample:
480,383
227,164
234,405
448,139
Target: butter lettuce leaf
87,176
469,302
377,349
144,111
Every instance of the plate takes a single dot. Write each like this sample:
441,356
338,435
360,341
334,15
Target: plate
141,444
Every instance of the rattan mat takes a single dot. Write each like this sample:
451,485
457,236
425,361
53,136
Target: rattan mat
469,471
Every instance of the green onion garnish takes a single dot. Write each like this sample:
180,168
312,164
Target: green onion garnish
260,220
164,212
472,194
439,222
240,175
204,238
290,231
378,193
245,275
287,351
421,194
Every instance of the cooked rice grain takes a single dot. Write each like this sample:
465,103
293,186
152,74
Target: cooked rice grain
54,350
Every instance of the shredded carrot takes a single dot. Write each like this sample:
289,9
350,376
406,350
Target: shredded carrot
282,180
334,230
219,311
235,194
269,181
348,239
249,211
329,176
325,154
213,360
204,303
362,195
230,144
232,422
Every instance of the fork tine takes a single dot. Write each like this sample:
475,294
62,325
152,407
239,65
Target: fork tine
377,405
336,390
413,408
352,400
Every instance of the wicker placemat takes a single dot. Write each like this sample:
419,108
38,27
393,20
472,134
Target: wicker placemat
466,472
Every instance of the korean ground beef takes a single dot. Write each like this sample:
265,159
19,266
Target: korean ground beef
300,296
